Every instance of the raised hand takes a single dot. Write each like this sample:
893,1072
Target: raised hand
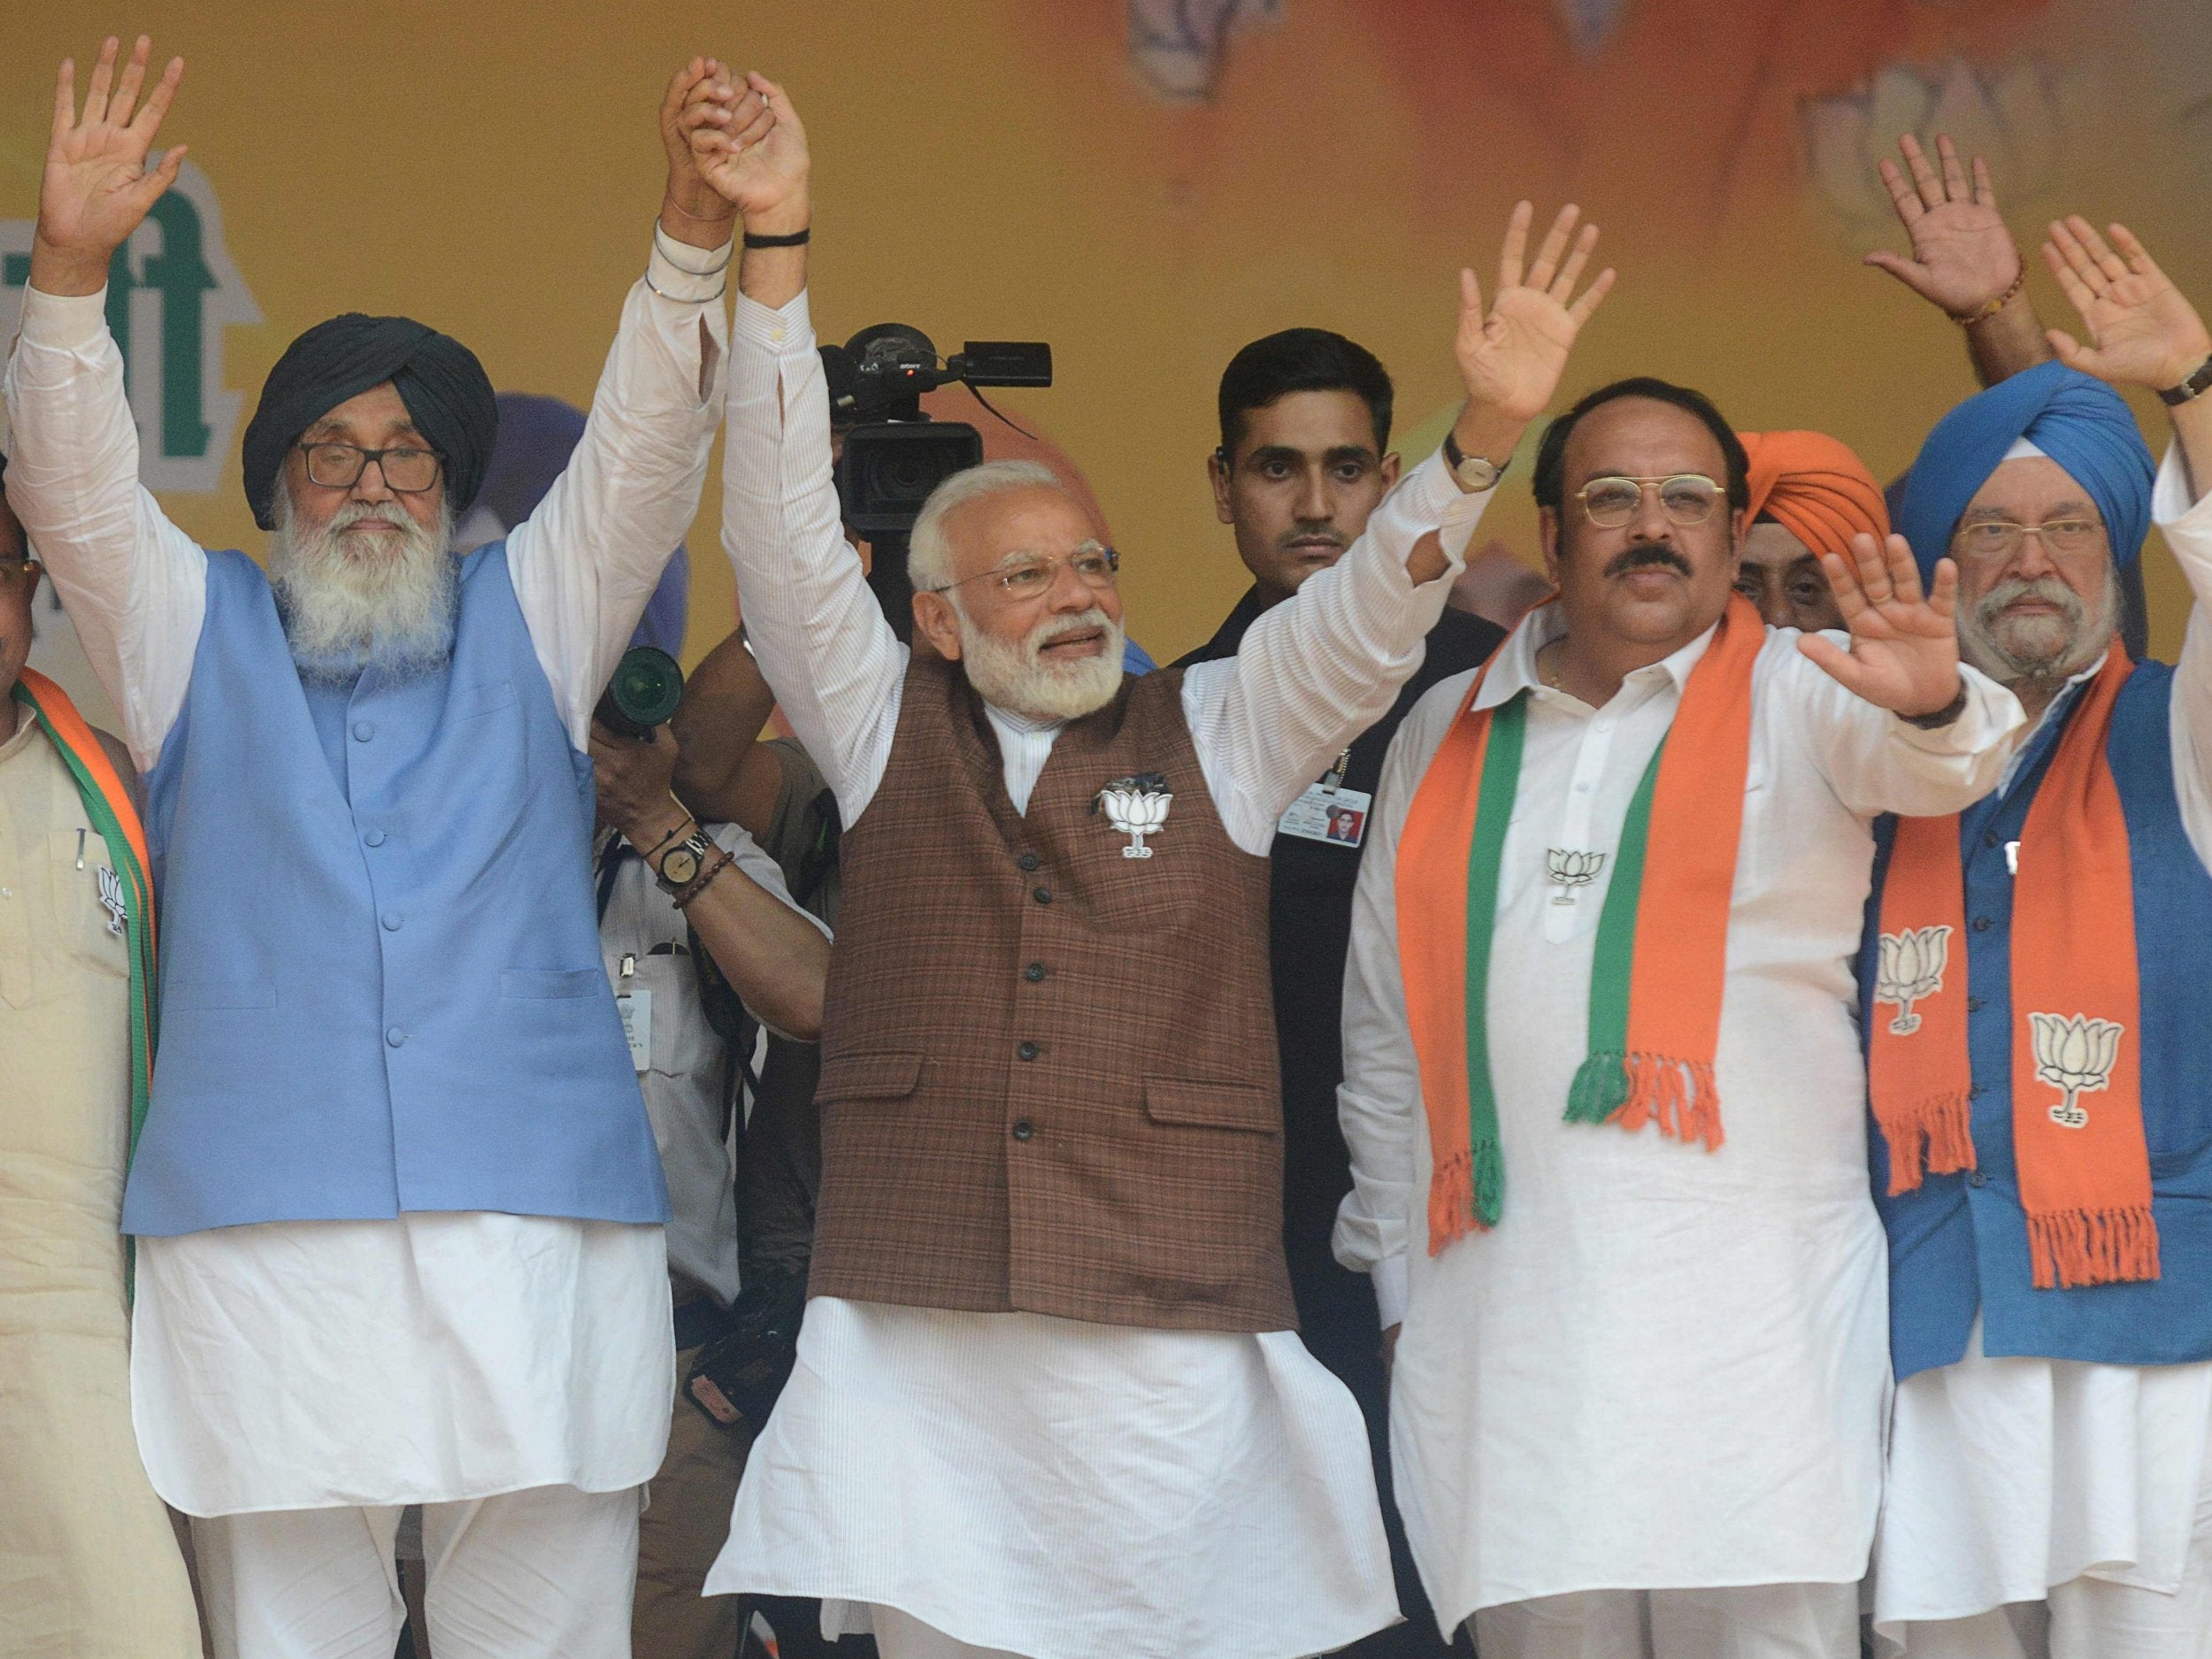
760,166
1510,358
1964,258
2141,331
694,210
1904,652
97,187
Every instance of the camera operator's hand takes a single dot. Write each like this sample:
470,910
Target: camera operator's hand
633,781
764,174
1510,358
692,209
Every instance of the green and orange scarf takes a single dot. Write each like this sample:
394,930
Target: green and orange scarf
2077,1012
1660,955
108,803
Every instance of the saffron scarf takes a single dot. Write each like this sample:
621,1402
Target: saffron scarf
2083,1165
1661,956
108,804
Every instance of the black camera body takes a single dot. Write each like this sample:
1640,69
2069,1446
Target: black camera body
894,454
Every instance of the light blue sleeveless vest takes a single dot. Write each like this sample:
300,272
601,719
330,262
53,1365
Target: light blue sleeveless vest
387,995
1959,1243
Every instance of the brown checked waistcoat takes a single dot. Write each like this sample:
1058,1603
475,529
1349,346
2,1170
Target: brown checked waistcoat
1049,1071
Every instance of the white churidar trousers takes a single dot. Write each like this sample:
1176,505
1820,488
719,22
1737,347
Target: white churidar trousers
1760,1621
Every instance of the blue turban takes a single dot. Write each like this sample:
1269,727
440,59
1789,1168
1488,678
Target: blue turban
2076,419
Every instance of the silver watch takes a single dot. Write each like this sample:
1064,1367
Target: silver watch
1474,474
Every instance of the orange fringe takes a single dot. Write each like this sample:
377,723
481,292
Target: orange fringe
1934,1135
2073,1247
1452,1200
1680,1095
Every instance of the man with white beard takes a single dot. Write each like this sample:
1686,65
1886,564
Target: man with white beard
1048,1398
397,1201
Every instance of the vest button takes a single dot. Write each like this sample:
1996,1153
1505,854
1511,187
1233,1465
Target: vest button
393,921
1981,924
1023,1129
363,730
1975,1178
394,1037
1989,837
1028,861
1027,1051
375,838
1973,1004
1034,973
1043,895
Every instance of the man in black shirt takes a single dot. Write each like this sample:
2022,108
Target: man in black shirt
1304,458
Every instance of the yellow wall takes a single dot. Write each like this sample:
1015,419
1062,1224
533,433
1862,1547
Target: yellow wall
997,168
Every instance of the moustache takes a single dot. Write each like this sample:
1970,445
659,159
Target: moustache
1653,555
1333,538
2047,590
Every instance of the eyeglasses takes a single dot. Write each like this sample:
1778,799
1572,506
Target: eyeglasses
18,574
340,466
1031,575
1688,497
2001,538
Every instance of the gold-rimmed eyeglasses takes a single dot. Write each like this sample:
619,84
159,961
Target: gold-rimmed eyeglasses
1031,575
1688,497
407,472
2001,538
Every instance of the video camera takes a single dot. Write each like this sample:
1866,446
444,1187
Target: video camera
646,685
894,454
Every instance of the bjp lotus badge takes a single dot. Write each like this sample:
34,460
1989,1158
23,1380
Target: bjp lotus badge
1571,869
2075,1057
1136,807
1910,968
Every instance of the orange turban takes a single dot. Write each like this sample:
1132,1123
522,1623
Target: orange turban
1815,489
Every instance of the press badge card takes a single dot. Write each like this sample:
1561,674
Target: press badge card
1322,814
636,1008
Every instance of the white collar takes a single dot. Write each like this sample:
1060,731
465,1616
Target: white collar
1514,670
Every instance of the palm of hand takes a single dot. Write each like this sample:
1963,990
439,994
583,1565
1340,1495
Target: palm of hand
1907,650
757,178
1511,360
85,198
1966,254
2132,325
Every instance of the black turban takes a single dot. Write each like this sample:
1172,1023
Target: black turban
445,389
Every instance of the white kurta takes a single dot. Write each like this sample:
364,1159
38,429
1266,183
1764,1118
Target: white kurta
436,1357
1051,1488
2010,1476
1665,1368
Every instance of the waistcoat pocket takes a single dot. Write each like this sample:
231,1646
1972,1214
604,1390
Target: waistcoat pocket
243,992
534,985
1211,1105
869,1077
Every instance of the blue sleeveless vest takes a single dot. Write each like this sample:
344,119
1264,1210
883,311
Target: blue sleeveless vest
384,995
1959,1243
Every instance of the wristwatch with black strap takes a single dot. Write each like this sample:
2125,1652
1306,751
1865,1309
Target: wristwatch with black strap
1474,474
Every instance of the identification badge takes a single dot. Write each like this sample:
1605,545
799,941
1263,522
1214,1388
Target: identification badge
636,1008
1322,814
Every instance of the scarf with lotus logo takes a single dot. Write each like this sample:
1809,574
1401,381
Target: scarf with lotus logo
2084,1163
108,803
1661,955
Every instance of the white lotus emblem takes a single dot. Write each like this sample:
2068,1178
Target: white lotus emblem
2074,1056
1572,870
1137,807
1911,969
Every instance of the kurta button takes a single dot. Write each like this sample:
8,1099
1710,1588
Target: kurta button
1981,924
394,1037
1023,1129
363,730
375,838
393,921
1027,1051
1034,973
1028,861
1043,895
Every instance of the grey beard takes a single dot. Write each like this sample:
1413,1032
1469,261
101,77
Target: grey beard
2038,654
394,613
1010,677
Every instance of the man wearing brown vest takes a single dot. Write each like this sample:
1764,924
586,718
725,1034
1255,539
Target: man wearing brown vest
1049,1399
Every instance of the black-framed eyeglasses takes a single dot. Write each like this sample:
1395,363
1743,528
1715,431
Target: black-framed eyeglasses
17,574
1688,497
409,471
1031,575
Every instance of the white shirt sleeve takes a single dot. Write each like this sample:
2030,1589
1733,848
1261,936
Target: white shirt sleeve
2188,523
1323,666
135,585
1876,763
586,562
1379,1103
822,642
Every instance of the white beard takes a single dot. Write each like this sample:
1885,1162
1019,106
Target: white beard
2048,650
347,611
1012,676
